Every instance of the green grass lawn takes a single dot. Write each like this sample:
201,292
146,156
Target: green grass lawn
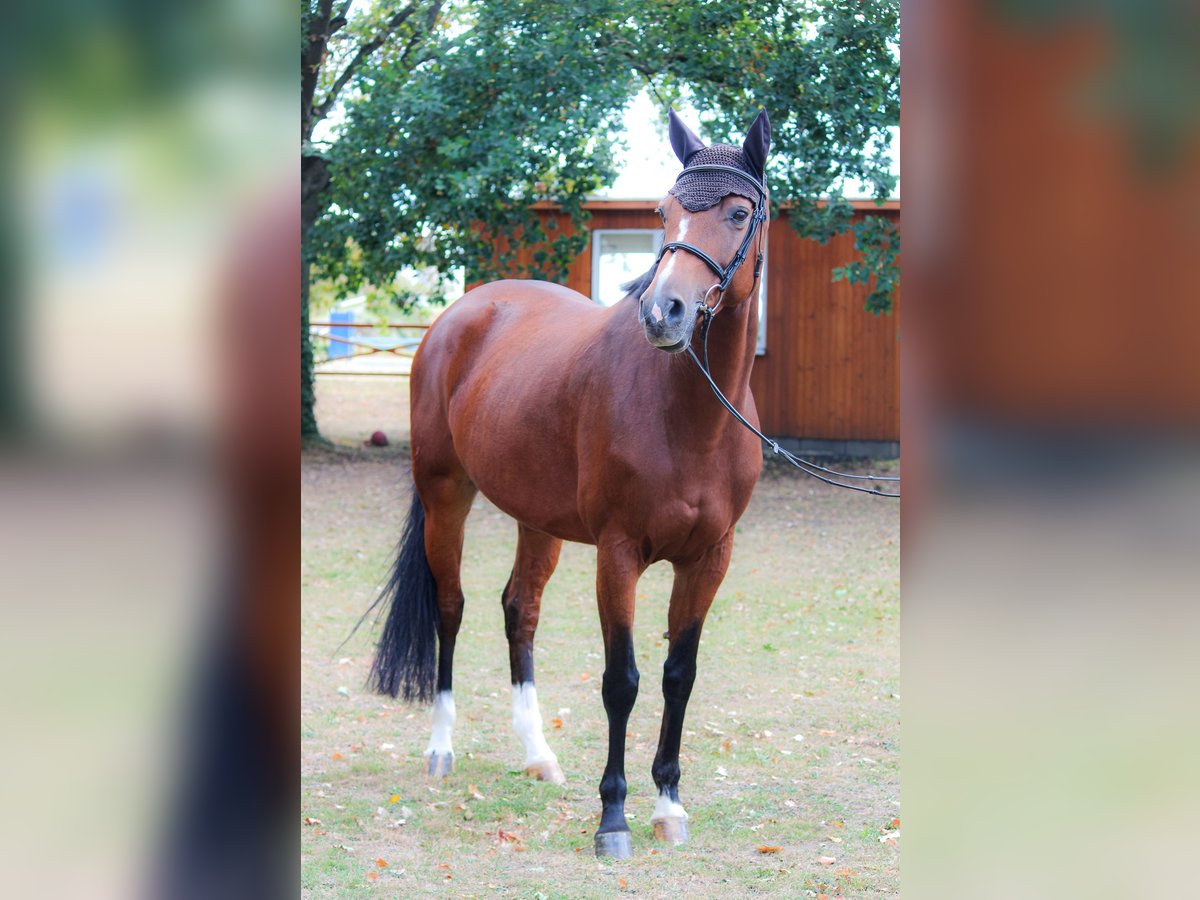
791,741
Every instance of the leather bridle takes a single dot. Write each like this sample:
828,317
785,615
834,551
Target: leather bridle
725,273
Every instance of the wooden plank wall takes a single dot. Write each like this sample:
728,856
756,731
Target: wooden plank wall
832,369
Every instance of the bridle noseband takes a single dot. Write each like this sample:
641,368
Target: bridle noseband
725,273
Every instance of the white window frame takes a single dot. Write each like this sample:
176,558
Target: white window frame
760,348
596,235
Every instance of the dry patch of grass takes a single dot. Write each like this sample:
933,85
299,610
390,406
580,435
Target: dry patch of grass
792,737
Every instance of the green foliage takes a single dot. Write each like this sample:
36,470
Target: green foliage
877,241
438,165
828,76
451,133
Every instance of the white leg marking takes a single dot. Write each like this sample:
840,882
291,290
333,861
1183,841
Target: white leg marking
527,723
443,716
666,808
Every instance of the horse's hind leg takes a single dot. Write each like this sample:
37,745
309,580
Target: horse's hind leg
447,499
537,555
691,596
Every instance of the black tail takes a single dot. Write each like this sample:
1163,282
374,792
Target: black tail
406,659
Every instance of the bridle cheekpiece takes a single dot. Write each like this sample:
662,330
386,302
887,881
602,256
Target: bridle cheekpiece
725,273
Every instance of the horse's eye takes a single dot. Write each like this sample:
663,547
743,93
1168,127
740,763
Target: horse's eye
739,215
661,215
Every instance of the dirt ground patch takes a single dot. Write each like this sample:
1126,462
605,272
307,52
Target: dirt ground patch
791,741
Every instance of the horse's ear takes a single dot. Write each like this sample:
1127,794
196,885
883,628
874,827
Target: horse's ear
758,143
683,140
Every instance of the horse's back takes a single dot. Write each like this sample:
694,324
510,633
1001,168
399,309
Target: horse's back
499,305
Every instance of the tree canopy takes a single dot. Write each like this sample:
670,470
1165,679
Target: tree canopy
471,111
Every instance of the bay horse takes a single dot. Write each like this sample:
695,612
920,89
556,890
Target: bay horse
589,424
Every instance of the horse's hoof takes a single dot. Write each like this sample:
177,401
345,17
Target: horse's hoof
617,844
441,764
671,831
546,770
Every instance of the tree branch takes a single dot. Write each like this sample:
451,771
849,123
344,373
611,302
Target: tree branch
311,55
364,53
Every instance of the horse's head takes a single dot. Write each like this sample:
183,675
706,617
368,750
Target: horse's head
714,221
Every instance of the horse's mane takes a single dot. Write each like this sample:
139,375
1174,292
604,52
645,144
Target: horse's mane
638,286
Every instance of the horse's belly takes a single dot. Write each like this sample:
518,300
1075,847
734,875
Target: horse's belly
531,484
520,452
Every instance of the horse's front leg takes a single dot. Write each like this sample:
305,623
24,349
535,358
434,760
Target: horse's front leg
692,594
617,572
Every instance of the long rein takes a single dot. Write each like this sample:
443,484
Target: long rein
725,274
806,466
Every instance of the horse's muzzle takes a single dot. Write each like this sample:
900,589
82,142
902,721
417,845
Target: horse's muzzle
667,329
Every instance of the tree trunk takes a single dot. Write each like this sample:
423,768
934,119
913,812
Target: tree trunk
308,415
314,181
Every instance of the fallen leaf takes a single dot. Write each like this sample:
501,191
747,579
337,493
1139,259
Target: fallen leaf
310,821
443,865
556,722
623,884
764,849
894,824
846,872
836,840
372,876
381,863
474,792
337,756
826,860
394,799
721,772
822,897
585,676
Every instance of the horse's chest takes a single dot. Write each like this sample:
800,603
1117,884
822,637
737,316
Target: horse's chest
675,516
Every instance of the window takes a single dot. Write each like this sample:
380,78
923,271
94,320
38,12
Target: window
619,256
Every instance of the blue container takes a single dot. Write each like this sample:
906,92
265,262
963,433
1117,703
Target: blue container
338,349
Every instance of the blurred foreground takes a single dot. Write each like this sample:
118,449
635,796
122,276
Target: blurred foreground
147,416
1050,421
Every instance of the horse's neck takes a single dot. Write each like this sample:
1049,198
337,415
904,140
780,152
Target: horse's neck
732,339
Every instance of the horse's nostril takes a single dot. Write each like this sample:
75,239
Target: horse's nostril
675,309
